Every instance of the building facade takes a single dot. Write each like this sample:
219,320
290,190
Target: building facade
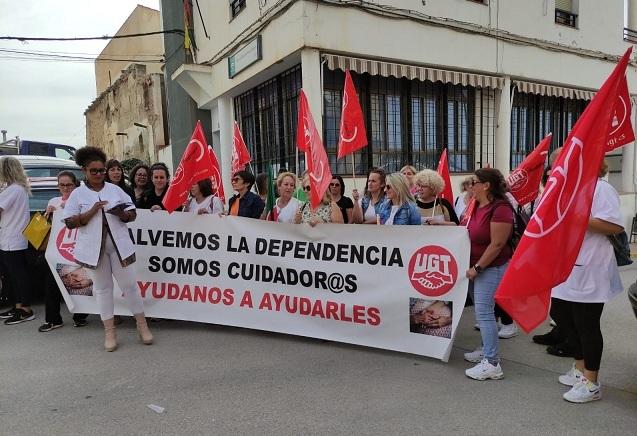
485,79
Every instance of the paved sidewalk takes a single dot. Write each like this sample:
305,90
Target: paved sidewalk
223,380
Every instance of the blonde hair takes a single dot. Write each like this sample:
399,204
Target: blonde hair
408,167
398,183
326,196
466,181
282,176
11,172
430,178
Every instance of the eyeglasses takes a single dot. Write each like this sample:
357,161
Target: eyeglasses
95,171
475,182
141,175
307,188
335,185
423,186
66,185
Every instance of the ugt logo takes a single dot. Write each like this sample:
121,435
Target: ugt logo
432,270
65,243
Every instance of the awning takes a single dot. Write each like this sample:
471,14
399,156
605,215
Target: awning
387,69
552,90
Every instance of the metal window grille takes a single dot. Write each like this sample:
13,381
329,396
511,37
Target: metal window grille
535,116
236,6
267,117
630,35
411,122
566,18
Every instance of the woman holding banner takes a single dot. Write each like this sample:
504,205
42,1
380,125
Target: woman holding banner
326,212
490,228
153,197
244,203
367,208
139,181
202,200
337,193
398,208
100,211
433,209
577,304
286,205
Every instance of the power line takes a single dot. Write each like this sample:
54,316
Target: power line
90,38
42,56
78,53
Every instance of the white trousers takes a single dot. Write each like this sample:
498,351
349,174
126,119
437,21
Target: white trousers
108,267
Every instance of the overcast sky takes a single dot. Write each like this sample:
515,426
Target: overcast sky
45,100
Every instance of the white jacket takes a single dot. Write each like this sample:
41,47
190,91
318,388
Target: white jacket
89,237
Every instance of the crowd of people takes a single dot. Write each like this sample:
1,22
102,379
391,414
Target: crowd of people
101,206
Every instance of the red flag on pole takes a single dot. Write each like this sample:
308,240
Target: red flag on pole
524,181
309,141
621,130
551,242
195,165
217,183
443,170
240,154
353,135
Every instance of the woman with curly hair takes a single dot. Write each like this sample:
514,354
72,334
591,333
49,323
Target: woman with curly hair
14,217
100,211
139,180
433,209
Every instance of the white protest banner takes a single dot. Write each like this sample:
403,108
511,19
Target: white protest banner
399,288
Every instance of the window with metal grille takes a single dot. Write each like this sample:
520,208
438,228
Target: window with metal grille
236,6
565,13
267,117
410,122
535,116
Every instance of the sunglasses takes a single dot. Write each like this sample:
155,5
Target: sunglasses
387,188
95,171
307,188
335,185
475,182
66,185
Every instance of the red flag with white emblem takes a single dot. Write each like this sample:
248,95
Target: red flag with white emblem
195,165
240,154
217,184
524,181
309,141
621,128
443,170
551,242
353,135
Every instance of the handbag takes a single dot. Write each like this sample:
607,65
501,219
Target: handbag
621,248
37,230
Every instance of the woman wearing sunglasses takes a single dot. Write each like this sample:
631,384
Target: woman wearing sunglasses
67,182
245,202
100,211
398,208
326,212
345,204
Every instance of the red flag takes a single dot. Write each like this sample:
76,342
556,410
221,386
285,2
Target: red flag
240,154
215,178
308,140
443,170
621,130
195,165
524,181
551,242
353,135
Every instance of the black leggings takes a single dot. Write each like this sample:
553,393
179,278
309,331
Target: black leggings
14,266
580,323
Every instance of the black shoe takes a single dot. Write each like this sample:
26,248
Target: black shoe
47,327
8,314
550,338
117,320
79,322
559,350
19,316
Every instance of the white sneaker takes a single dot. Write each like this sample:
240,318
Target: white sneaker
572,377
584,391
508,331
484,370
475,356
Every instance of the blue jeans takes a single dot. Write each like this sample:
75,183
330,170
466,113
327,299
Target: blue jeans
484,287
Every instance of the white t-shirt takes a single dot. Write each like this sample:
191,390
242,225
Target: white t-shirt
459,206
287,213
370,213
595,277
56,202
14,202
392,214
211,204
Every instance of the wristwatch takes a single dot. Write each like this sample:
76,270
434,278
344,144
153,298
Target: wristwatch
478,268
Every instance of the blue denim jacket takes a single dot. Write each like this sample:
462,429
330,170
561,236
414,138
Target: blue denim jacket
366,201
407,214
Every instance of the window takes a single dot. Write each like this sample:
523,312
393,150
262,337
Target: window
236,6
535,116
411,121
565,13
63,153
267,116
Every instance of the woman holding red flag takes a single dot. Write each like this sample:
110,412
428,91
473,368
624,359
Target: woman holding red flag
367,208
326,212
577,304
490,229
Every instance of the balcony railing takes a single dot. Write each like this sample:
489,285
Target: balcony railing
566,18
630,35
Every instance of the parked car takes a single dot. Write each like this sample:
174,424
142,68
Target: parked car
36,148
44,166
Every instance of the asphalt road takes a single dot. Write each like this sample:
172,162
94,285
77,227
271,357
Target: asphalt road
221,380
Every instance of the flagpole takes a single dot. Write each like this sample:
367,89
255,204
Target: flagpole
354,170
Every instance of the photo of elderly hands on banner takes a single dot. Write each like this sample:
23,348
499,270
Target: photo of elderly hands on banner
340,283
